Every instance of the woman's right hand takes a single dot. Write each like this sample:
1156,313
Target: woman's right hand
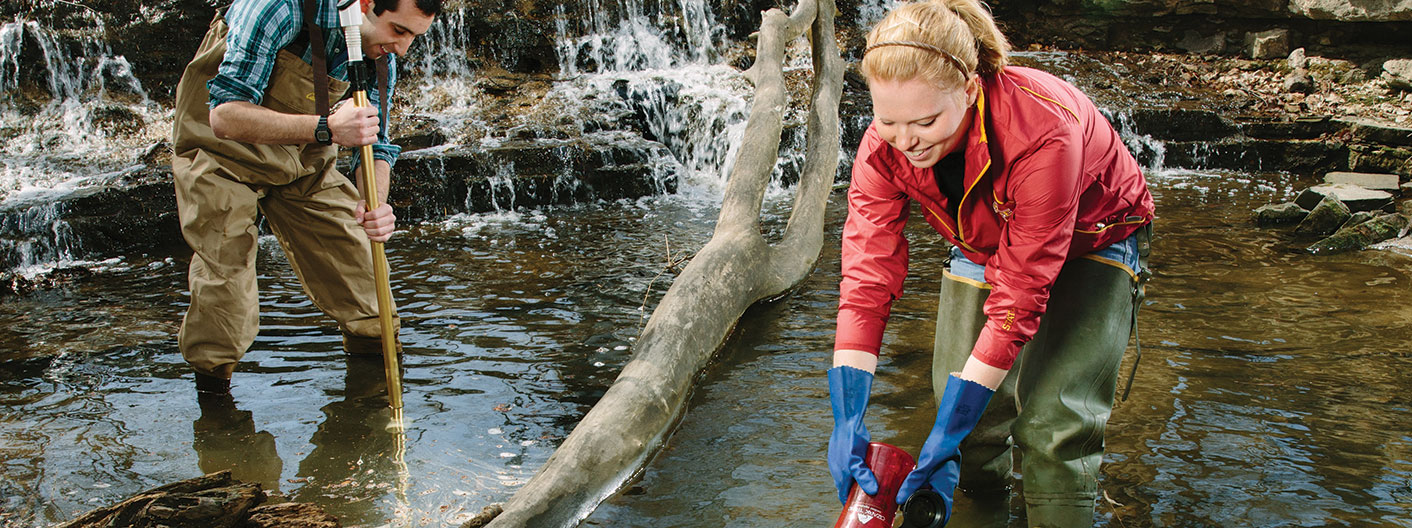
848,445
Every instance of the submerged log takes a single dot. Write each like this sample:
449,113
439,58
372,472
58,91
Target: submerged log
736,269
212,501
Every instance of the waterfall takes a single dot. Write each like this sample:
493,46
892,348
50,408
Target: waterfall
72,116
870,12
444,88
72,113
1150,152
636,35
36,237
502,186
652,63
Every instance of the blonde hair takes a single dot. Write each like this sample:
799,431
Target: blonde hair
942,41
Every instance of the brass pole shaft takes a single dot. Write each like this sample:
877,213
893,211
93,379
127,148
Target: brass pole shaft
380,275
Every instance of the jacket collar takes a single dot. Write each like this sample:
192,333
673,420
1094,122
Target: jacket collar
887,160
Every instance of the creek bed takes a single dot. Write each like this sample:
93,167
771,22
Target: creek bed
1272,389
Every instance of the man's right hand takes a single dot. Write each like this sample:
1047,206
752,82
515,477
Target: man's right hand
354,126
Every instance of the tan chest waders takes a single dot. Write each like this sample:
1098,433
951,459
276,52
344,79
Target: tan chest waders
221,187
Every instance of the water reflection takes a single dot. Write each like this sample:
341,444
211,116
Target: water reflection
225,438
356,458
1273,390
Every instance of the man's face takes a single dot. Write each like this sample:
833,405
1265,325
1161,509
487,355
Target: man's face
392,32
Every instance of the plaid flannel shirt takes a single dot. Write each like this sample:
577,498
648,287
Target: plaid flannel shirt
259,29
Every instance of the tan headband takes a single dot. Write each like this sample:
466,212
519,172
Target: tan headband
960,66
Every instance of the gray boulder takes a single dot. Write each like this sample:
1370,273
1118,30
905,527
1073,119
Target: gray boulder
1357,218
1352,10
1366,180
1380,228
1355,197
1397,73
1271,44
1279,214
1299,81
1297,60
1324,218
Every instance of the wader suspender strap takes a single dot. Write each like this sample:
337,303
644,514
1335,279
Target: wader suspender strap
382,91
1144,248
316,53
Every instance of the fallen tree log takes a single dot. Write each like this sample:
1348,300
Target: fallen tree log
736,269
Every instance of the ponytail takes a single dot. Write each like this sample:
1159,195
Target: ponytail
991,45
943,41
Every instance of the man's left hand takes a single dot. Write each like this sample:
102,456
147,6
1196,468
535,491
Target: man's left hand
378,223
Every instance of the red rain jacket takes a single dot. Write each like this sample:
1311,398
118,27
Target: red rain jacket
1047,179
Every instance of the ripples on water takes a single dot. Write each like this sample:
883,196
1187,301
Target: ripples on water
1272,391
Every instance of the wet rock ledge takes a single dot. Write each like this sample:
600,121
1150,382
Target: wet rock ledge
1348,212
438,182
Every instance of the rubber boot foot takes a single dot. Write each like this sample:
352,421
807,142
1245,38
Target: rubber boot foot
365,346
1062,513
207,385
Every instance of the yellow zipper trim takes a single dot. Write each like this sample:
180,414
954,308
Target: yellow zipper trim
1110,226
942,220
959,234
1061,105
980,108
980,114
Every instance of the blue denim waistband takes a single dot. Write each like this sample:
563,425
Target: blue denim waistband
1121,252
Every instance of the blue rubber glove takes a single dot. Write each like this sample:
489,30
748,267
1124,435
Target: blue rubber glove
848,445
939,463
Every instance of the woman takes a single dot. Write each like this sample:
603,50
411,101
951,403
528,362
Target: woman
1047,211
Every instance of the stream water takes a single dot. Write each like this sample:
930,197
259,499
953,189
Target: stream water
1272,389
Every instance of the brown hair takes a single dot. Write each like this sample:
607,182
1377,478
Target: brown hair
942,41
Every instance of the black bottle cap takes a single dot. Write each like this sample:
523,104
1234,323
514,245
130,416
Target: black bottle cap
924,509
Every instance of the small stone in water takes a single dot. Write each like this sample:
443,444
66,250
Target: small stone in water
493,430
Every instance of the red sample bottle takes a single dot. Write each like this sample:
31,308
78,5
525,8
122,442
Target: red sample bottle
890,465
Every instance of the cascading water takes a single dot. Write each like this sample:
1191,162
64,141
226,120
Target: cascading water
633,76
445,90
1150,152
870,12
73,116
655,62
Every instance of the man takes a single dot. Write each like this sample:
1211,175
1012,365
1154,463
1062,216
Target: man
248,138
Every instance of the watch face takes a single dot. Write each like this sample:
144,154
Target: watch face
321,133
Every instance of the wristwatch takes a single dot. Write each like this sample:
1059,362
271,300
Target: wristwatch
322,133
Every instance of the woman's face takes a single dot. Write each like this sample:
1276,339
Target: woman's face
920,119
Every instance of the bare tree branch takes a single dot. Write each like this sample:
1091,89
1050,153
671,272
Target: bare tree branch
736,269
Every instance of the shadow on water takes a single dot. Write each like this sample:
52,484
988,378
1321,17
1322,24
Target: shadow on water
1272,391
